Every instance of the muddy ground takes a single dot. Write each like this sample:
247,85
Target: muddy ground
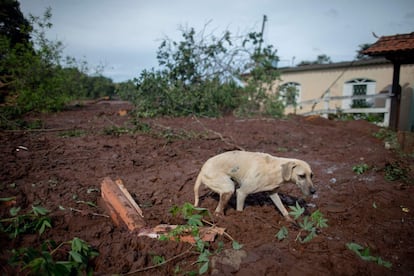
66,161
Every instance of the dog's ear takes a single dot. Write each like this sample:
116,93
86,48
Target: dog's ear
287,169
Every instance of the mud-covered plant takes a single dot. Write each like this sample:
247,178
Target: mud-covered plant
68,258
36,220
365,254
194,217
360,168
309,225
394,171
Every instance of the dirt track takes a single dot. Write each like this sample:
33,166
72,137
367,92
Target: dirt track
64,168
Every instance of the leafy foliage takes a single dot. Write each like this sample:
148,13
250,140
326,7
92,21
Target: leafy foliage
360,168
35,77
203,75
365,254
309,225
36,220
395,171
194,217
282,234
76,254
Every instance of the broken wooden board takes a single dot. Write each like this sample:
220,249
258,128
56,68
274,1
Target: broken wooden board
207,234
124,211
120,207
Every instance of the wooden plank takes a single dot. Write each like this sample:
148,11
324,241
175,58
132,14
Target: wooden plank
129,197
125,212
207,234
120,208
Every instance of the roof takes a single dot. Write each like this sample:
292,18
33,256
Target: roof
399,46
337,65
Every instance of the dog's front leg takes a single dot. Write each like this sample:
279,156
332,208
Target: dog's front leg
276,200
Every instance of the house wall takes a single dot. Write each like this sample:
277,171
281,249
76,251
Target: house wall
315,82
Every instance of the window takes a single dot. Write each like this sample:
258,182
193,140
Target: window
290,93
358,87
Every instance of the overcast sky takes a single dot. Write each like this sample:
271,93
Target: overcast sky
124,35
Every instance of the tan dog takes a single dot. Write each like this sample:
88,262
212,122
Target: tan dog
253,172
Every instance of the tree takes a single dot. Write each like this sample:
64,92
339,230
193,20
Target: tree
321,59
204,74
362,47
13,24
34,75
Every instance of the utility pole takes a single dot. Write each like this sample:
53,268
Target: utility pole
261,33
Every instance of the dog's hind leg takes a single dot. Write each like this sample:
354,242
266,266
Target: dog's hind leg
224,199
226,190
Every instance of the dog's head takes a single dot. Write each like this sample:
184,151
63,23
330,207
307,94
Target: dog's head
301,173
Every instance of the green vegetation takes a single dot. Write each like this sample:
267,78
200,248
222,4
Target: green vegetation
200,76
395,171
67,258
195,217
76,255
72,133
33,74
309,225
360,168
365,254
36,220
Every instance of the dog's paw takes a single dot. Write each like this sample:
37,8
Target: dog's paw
219,214
289,219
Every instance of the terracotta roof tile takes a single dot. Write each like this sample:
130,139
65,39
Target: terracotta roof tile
392,44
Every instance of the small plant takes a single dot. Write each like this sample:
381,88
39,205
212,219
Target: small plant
365,254
360,168
282,234
387,136
116,131
42,262
72,133
194,217
156,259
308,225
394,171
36,220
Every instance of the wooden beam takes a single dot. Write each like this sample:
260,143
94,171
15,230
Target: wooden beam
395,98
120,208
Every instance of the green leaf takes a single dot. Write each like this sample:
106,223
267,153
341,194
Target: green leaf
156,260
39,210
76,256
282,234
90,203
195,220
77,244
309,237
297,211
384,263
14,211
35,264
354,247
319,220
307,224
45,223
204,268
203,257
7,199
236,245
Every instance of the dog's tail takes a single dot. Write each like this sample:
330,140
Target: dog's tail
196,188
